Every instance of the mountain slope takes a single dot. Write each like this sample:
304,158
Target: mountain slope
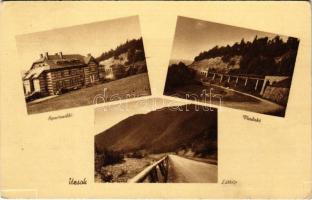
160,131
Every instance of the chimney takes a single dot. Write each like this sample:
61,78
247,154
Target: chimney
41,55
46,55
61,55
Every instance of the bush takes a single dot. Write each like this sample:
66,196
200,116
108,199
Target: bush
105,157
113,157
122,172
98,161
119,71
205,148
137,154
179,75
132,70
206,143
34,96
141,69
106,175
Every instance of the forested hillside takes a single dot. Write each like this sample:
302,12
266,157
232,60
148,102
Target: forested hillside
134,49
262,56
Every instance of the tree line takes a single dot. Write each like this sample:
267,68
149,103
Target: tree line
179,75
262,56
134,49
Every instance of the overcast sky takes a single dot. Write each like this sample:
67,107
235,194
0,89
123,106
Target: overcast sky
94,38
193,36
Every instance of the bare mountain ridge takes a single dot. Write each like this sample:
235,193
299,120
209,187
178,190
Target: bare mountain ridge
160,131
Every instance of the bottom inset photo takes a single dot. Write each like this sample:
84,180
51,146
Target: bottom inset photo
156,141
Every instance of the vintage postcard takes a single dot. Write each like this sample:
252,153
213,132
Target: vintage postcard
182,147
83,65
233,66
157,99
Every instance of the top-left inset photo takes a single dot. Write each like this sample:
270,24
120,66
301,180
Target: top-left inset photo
83,65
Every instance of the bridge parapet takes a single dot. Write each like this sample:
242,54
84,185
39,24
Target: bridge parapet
157,172
241,76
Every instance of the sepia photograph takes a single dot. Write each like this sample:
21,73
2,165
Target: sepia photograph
155,100
156,141
83,65
231,66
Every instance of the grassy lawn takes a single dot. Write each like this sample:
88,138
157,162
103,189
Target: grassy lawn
130,87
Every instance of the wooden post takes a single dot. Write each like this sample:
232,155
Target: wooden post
256,85
156,174
153,177
229,79
214,75
163,171
263,86
221,78
246,82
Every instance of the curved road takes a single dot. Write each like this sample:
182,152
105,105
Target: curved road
183,170
262,106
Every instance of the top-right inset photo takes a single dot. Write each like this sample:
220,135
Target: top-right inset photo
231,66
